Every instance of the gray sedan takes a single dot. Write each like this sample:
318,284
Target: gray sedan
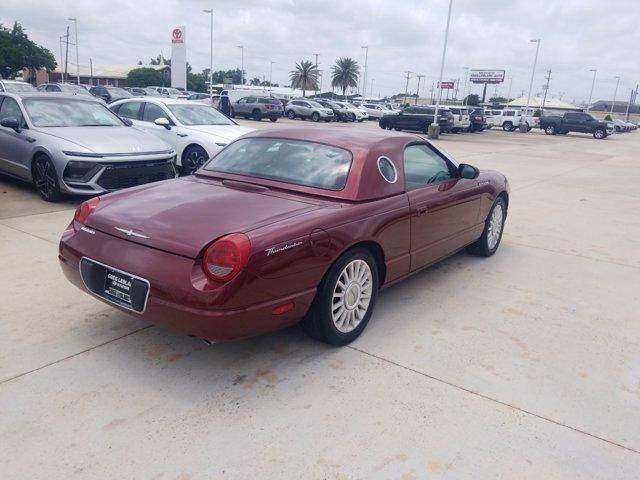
74,144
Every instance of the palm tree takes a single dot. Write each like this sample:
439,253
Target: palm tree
345,73
305,76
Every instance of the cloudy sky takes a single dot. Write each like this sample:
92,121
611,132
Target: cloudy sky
577,36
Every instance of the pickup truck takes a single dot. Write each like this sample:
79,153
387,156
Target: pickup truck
574,122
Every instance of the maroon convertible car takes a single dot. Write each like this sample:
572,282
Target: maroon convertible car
283,225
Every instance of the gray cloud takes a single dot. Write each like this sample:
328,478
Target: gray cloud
577,35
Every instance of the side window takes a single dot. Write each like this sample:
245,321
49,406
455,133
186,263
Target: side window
422,166
572,116
152,112
129,110
251,100
10,108
242,100
509,114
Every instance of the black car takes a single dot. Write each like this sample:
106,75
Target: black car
417,118
339,114
109,94
575,122
478,119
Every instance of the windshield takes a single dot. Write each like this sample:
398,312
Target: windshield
121,92
62,112
290,161
315,104
19,87
74,89
193,114
174,91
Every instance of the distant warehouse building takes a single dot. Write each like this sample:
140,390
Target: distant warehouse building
550,104
114,76
618,107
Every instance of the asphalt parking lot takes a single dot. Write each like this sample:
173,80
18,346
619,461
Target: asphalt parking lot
523,365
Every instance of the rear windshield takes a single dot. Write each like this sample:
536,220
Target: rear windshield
272,101
18,87
290,161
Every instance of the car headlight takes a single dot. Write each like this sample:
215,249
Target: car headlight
78,170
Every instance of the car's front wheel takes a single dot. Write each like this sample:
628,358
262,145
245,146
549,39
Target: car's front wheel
192,159
550,130
599,133
508,127
45,179
273,119
315,117
257,115
345,299
489,241
291,114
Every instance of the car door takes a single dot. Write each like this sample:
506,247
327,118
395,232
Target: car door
150,113
241,106
573,122
130,110
444,208
251,104
15,147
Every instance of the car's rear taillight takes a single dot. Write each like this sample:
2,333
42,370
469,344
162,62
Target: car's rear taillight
225,258
85,209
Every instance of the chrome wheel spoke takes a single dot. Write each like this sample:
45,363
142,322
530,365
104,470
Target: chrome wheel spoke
352,295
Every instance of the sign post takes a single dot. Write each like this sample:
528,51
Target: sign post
178,57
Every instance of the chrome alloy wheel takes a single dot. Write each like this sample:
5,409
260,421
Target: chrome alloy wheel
351,296
495,226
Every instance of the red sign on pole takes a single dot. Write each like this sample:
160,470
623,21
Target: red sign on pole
446,85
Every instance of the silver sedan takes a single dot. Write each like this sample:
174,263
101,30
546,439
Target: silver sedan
75,144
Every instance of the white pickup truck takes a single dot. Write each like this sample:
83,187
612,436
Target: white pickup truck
509,119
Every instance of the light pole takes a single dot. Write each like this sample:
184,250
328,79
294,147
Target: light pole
593,83
316,55
615,92
371,91
241,47
523,123
75,24
464,88
61,59
509,91
271,62
420,77
366,57
434,128
210,12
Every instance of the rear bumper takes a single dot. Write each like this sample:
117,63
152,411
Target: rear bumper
174,299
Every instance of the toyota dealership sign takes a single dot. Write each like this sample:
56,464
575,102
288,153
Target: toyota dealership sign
486,76
177,35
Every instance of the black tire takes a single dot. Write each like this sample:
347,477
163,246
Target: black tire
361,120
481,246
397,129
508,127
352,117
315,116
273,119
550,130
256,115
318,322
291,115
193,158
599,133
45,179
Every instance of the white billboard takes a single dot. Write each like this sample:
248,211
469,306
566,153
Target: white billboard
179,57
486,76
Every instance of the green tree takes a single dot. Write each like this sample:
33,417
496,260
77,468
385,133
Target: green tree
498,100
608,118
304,77
219,76
344,74
18,52
537,113
160,60
196,82
473,100
144,77
255,81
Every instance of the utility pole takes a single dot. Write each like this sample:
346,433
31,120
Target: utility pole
271,62
464,87
546,90
241,47
523,124
366,57
91,69
66,57
509,91
632,98
593,82
371,91
75,23
418,89
615,92
210,12
61,56
406,87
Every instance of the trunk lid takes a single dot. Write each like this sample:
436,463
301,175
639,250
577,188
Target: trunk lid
183,216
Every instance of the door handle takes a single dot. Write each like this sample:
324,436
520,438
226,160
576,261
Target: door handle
419,211
30,139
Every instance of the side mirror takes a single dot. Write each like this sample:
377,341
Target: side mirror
163,122
11,122
468,171
127,121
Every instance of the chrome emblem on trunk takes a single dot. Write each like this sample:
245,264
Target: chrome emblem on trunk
288,246
130,233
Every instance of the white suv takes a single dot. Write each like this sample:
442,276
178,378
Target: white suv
375,111
461,119
308,109
509,119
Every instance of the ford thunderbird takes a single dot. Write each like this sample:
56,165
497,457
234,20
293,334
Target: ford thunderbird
283,226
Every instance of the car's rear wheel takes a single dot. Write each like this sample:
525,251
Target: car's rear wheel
352,117
599,133
45,179
489,241
192,159
345,299
273,119
257,115
507,126
291,114
315,116
550,130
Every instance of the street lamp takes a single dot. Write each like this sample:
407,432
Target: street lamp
615,92
75,24
241,47
464,88
366,55
523,123
434,128
210,12
271,62
593,82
